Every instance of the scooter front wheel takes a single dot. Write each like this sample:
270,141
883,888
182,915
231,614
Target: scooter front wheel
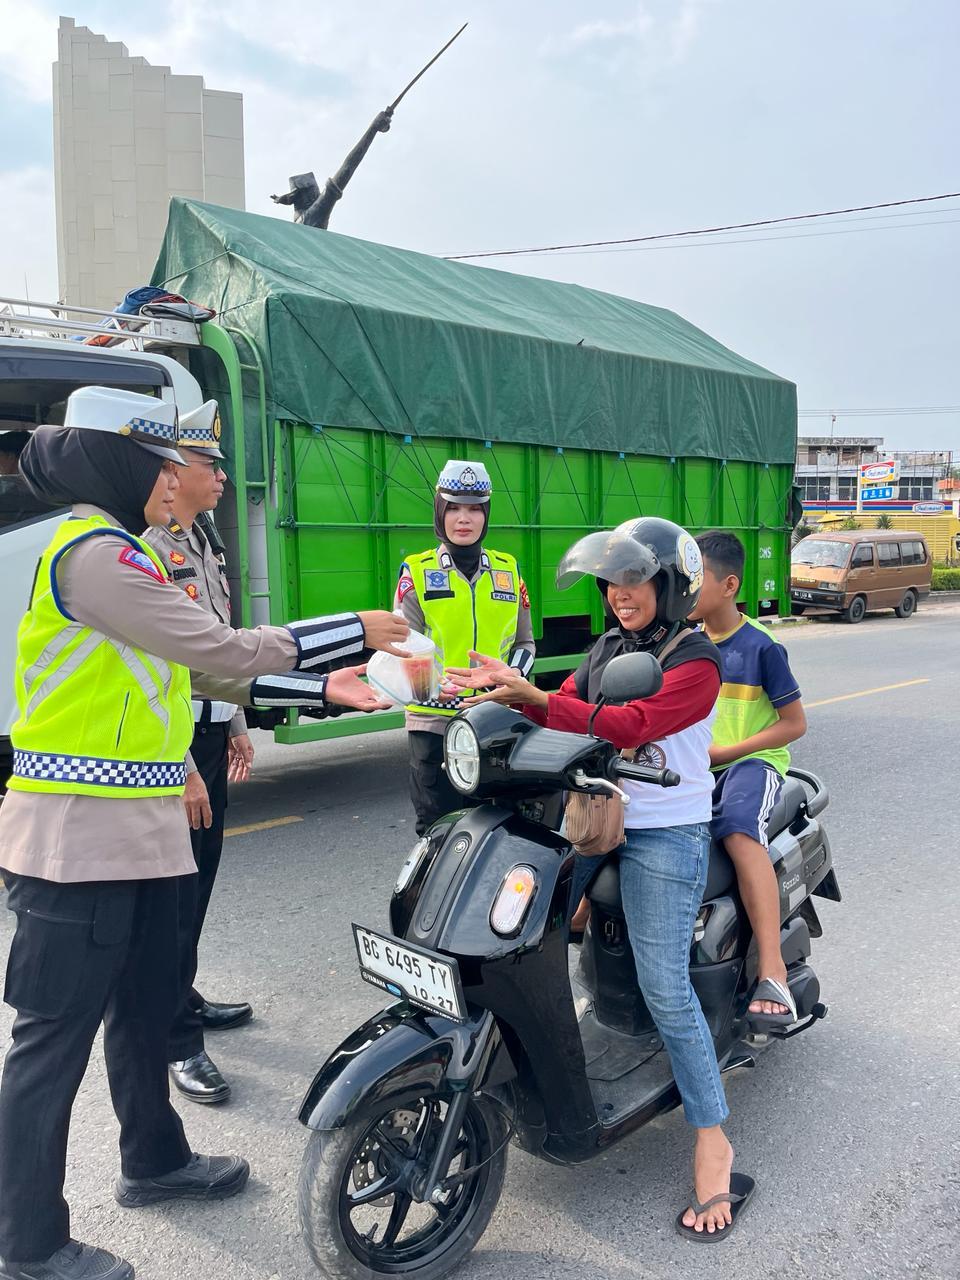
359,1188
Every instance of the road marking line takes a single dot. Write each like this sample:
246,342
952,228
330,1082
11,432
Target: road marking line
261,826
864,693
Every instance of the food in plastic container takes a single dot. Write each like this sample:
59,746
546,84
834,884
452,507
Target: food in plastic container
406,680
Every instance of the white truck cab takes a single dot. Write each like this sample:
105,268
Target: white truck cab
44,356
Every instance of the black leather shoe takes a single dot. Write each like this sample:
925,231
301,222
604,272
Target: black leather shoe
220,1017
204,1178
75,1261
199,1079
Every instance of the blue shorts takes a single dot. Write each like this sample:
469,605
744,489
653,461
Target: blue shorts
743,800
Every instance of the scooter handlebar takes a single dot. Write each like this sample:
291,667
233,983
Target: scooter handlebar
641,773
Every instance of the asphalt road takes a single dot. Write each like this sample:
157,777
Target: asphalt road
852,1131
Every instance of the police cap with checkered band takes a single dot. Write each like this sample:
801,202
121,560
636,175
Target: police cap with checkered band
149,422
200,430
467,483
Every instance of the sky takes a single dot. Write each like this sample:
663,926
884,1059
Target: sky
557,122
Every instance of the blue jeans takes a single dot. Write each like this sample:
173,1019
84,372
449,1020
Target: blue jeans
663,872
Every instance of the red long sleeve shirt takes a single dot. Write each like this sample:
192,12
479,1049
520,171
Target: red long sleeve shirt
688,694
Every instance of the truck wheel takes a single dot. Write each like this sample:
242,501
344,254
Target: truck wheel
855,610
907,606
358,1216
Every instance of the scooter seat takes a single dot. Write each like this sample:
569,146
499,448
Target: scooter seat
604,892
791,798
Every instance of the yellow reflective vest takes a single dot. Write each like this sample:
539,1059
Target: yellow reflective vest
97,716
461,616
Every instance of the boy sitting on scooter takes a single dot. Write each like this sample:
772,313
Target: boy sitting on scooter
758,713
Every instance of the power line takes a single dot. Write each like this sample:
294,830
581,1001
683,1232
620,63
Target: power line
702,231
885,412
843,230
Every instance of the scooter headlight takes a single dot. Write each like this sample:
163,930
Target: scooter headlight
462,754
414,858
513,900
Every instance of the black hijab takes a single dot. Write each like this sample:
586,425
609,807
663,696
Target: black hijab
466,558
66,465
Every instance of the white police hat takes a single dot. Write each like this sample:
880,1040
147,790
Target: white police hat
200,430
149,422
464,482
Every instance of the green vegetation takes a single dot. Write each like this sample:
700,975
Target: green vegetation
945,579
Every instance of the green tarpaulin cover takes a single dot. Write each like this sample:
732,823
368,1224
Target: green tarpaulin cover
363,335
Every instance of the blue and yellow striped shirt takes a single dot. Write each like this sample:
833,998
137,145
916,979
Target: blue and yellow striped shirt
757,680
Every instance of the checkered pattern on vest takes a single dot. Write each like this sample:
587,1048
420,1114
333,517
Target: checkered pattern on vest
97,772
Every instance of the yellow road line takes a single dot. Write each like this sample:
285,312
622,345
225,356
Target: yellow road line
865,693
261,826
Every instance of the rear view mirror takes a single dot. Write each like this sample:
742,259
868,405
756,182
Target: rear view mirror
631,676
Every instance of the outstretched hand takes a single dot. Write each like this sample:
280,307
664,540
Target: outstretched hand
346,689
511,689
482,676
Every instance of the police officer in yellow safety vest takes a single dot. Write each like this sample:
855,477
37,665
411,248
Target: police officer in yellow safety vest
468,599
186,547
94,843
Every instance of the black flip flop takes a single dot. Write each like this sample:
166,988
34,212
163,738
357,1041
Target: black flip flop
776,993
742,1187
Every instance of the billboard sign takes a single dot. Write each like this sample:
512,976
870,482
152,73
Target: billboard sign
879,493
883,471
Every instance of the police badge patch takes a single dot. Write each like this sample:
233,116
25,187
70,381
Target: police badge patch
437,579
177,557
140,560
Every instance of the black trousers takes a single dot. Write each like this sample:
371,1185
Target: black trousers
84,954
432,792
209,751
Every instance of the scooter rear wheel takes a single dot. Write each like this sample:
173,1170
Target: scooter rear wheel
357,1213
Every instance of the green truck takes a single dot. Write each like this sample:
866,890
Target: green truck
348,372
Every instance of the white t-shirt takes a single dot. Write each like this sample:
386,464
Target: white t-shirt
688,754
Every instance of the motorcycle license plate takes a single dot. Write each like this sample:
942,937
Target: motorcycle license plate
410,973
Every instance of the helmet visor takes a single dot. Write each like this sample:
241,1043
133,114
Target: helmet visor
610,555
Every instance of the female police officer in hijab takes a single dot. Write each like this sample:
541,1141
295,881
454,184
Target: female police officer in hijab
93,836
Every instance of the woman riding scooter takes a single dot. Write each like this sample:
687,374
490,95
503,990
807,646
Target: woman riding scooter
650,573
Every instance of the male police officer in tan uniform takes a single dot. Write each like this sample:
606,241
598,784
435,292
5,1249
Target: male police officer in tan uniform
220,742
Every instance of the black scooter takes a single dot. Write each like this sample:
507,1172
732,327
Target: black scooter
495,1033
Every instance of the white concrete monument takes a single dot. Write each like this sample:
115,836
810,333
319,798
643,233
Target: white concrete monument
127,137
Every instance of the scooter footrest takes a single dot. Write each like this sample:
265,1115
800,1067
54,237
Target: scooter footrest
784,1033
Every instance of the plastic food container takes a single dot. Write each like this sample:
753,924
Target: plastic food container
405,680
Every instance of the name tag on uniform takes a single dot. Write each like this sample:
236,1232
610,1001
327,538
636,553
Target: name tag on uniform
179,574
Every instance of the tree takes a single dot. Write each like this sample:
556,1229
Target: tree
851,522
884,521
